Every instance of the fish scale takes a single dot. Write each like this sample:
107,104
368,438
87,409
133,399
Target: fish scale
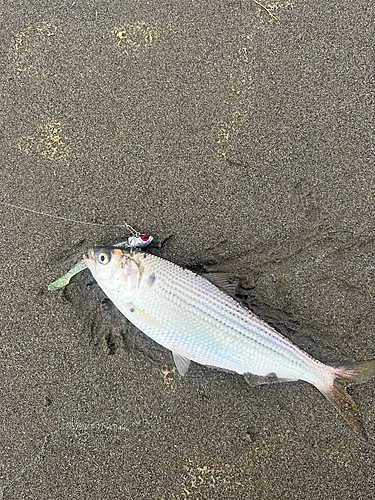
221,307
211,328
197,321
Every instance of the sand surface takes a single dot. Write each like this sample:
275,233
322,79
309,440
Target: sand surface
244,143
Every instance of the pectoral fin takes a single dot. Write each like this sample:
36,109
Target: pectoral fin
139,317
182,363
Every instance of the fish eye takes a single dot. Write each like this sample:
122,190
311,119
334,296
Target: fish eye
104,258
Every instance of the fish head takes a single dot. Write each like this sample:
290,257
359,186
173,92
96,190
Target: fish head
115,272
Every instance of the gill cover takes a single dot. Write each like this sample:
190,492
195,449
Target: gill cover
131,278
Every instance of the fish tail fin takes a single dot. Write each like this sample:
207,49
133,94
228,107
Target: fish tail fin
345,375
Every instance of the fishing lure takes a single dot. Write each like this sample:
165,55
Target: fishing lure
136,240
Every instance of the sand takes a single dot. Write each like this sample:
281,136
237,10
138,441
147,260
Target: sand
245,144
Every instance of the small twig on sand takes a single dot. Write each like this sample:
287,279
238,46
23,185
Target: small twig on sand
265,8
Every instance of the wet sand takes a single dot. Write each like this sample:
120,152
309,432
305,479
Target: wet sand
246,145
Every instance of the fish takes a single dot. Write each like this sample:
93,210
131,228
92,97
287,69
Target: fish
198,321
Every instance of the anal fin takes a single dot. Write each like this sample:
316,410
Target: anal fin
255,380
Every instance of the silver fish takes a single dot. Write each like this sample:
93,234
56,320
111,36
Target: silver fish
197,321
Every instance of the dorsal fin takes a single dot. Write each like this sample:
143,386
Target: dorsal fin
222,280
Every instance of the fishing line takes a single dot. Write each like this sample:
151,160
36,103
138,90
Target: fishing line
67,219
